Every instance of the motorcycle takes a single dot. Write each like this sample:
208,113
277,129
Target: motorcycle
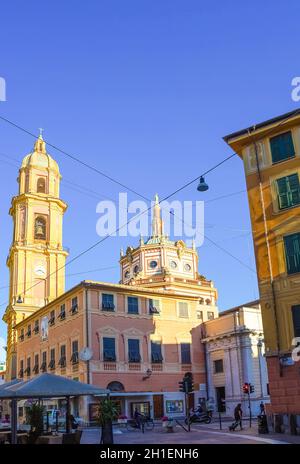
199,417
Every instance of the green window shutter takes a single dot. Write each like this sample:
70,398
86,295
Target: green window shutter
288,191
294,189
282,187
292,252
282,147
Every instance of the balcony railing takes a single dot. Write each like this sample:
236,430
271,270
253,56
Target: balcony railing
134,366
109,366
156,367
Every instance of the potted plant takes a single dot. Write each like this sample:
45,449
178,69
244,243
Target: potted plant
34,417
168,423
107,413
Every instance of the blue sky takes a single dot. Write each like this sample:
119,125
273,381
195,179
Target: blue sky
145,91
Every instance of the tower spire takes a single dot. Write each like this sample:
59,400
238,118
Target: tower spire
40,145
157,222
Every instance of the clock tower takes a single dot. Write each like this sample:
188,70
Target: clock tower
36,257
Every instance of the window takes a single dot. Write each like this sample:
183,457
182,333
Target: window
292,253
28,367
133,305
296,319
173,264
127,274
210,315
62,359
154,306
109,349
62,314
41,185
28,331
288,191
282,147
74,306
21,371
36,364
74,357
44,362
52,318
187,267
22,335
52,359
156,355
153,264
183,309
218,366
200,315
136,269
36,327
107,302
20,411
40,226
185,353
134,351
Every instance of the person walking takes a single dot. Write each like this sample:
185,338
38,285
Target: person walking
262,409
238,416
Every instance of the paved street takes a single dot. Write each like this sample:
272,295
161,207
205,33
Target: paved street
200,434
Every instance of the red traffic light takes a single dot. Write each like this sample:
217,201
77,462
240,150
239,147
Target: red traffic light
246,388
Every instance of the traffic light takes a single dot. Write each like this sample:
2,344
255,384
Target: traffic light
251,388
246,388
181,386
188,378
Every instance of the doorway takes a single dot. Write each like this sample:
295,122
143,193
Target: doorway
221,398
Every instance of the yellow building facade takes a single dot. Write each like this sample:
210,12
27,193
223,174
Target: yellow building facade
271,155
36,257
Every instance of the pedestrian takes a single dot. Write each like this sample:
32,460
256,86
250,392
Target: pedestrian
238,415
262,409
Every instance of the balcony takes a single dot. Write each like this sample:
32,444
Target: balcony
156,367
134,366
109,366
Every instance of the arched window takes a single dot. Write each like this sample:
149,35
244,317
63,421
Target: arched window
41,185
115,386
40,225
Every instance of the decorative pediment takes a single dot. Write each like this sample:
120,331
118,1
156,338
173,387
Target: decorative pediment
133,332
107,330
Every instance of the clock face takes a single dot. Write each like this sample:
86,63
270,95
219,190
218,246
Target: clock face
40,270
187,267
173,264
85,354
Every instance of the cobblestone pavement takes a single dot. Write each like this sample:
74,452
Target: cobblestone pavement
200,434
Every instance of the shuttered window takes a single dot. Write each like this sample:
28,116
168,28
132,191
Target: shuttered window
282,147
292,253
109,350
288,191
133,305
183,309
134,350
185,353
156,355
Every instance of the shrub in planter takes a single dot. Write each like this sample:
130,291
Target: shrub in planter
34,417
107,413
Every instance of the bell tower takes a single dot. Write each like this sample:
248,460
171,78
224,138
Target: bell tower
36,257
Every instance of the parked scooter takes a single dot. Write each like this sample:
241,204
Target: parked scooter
197,416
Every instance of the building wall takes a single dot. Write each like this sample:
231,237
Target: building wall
167,327
278,290
236,339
